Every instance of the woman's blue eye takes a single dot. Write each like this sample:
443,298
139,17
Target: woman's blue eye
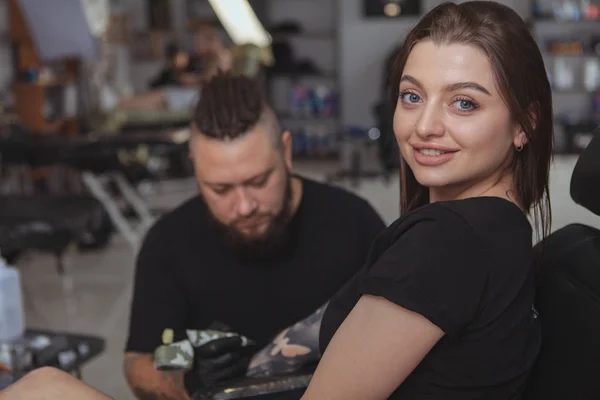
410,97
465,105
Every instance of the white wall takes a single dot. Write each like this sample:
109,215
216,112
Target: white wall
364,46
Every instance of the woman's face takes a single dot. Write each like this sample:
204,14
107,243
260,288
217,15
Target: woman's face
454,130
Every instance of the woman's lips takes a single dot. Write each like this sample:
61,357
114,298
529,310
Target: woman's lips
432,157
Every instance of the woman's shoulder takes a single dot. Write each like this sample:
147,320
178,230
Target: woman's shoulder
463,238
481,222
477,214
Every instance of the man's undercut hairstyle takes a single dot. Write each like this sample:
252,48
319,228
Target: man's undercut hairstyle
232,105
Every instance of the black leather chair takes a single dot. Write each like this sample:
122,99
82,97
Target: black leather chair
50,223
568,297
290,387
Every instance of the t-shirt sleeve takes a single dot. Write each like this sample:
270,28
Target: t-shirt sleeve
433,269
157,302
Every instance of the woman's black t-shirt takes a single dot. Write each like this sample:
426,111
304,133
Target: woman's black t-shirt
467,266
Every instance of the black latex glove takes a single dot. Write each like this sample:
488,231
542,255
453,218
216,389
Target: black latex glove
222,359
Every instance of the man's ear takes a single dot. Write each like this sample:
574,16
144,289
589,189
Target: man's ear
286,142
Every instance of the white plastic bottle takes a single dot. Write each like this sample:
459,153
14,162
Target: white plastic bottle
12,321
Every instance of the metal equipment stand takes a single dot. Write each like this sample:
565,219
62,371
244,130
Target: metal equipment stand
98,187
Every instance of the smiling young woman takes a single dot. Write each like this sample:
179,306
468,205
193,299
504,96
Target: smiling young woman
444,306
455,131
513,80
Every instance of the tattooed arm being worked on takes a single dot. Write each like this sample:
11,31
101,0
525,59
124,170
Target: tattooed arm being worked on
294,348
148,383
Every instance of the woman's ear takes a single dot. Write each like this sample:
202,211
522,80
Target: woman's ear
520,138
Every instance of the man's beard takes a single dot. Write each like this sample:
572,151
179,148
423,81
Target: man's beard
267,246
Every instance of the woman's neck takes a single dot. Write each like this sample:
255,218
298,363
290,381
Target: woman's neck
500,186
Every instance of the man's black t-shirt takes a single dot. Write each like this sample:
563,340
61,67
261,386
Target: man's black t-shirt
467,266
187,279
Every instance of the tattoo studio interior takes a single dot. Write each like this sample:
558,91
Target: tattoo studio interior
214,199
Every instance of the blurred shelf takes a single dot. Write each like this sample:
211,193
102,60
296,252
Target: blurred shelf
299,75
565,120
553,20
195,22
314,35
574,91
571,55
285,116
308,65
54,82
330,156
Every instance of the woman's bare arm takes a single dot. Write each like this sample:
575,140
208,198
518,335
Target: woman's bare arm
373,351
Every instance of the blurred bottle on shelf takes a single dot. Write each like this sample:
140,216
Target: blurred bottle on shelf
591,74
313,140
570,10
590,9
564,74
296,103
12,317
298,142
309,101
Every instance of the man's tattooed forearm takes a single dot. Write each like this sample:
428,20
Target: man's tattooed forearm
174,380
146,385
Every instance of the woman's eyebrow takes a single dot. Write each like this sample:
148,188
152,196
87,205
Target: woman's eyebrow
450,87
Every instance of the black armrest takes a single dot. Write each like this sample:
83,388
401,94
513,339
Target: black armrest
260,388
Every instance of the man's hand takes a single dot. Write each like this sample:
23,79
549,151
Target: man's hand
147,383
220,355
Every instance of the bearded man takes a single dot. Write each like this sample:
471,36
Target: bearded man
258,249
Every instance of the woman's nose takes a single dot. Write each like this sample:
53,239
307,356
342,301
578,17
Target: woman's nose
430,122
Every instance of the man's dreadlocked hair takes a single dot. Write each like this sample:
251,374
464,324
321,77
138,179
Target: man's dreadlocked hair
231,105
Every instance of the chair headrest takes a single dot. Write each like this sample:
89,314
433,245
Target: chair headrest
585,180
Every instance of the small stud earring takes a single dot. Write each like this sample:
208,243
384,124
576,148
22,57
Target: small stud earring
519,147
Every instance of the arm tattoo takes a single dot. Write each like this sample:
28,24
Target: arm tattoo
174,380
170,386
293,348
142,394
